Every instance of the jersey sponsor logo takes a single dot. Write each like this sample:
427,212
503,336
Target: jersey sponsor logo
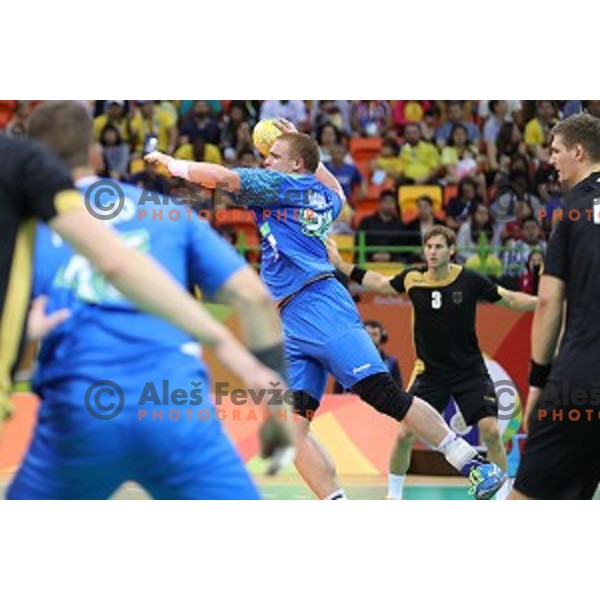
357,370
315,224
315,199
596,211
87,284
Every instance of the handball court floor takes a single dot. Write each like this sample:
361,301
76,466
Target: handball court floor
290,487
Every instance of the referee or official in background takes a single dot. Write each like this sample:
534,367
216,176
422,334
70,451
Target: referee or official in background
561,459
35,185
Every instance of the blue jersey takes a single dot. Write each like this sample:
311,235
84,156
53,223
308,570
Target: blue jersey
107,337
294,214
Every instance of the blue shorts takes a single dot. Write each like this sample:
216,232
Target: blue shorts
76,456
324,333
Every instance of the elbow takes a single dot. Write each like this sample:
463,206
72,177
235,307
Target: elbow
111,267
254,297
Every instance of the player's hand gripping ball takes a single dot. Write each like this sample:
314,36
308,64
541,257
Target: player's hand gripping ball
264,135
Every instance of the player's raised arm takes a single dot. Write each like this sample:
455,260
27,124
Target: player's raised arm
370,280
517,300
206,174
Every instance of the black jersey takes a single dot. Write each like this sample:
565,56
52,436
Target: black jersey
33,185
444,314
573,255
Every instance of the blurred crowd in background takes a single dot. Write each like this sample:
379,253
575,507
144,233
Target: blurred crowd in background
479,166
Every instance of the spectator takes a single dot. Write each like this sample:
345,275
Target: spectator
420,159
343,224
336,112
497,118
292,110
380,337
460,158
328,136
200,151
383,228
550,193
348,175
421,224
457,210
592,107
455,117
149,122
410,111
388,164
200,123
477,232
571,107
18,124
115,151
514,108
115,114
537,131
241,142
491,130
237,114
522,210
246,159
371,118
509,144
530,280
516,252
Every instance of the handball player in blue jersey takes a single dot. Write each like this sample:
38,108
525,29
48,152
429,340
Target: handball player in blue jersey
295,200
83,447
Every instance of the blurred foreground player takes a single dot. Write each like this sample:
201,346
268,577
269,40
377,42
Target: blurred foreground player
449,362
34,186
561,459
295,200
80,451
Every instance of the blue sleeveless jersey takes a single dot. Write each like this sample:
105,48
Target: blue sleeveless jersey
294,214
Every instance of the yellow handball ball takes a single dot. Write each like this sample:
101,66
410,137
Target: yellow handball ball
264,134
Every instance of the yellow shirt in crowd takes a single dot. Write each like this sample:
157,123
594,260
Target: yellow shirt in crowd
420,161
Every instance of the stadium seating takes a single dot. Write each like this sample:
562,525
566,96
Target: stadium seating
409,194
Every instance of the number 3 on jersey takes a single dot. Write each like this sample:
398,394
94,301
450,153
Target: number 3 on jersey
436,299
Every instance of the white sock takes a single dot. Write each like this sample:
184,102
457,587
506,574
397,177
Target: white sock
395,486
504,491
457,452
337,495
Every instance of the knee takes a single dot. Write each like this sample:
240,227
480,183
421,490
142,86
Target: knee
405,436
384,395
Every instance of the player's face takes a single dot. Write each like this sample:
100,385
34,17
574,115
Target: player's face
279,158
564,160
437,252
